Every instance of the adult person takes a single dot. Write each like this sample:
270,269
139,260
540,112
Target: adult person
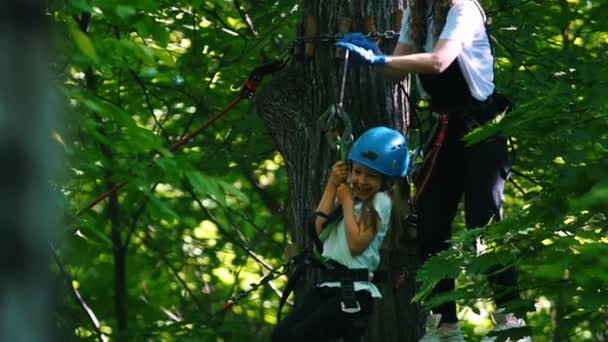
446,44
343,298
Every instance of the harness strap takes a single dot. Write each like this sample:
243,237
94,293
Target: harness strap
289,287
431,157
333,271
329,271
349,303
300,262
329,224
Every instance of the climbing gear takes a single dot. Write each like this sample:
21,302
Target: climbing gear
431,157
332,38
330,223
327,270
274,273
329,120
382,149
298,266
247,92
332,271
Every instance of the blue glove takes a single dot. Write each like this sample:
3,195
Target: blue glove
362,48
361,40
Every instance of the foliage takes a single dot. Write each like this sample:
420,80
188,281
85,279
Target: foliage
201,223
196,225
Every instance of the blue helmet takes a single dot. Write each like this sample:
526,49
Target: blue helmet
382,149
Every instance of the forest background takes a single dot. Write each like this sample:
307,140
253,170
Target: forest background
195,225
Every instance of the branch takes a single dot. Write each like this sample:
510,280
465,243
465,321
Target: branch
68,282
246,18
225,26
147,241
148,102
245,218
241,244
136,217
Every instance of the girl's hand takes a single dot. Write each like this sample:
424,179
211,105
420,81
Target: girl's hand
345,195
339,173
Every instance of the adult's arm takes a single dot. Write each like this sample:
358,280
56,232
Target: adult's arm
403,61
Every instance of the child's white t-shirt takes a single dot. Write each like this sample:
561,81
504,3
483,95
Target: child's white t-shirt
336,247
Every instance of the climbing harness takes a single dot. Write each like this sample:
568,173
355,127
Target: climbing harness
327,270
247,92
330,120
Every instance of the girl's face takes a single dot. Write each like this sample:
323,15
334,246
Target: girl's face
365,181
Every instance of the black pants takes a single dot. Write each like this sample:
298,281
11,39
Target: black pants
319,317
479,173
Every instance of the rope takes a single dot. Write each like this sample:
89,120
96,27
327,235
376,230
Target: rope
343,83
178,144
431,157
247,92
271,275
329,120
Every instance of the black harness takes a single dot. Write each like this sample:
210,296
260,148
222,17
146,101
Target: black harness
450,93
327,270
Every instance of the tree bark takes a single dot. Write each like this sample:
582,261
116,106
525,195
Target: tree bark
290,105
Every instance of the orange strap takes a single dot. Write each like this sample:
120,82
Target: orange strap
431,157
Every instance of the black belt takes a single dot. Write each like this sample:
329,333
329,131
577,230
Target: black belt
344,275
333,271
472,114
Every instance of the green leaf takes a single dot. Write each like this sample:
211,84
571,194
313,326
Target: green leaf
81,5
124,11
83,42
207,186
597,198
148,73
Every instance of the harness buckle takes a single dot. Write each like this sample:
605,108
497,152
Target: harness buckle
349,303
350,309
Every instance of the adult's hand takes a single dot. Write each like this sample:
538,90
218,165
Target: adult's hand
363,49
361,40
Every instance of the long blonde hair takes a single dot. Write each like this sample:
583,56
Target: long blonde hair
418,20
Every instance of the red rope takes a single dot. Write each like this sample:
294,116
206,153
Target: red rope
228,305
102,197
175,146
211,120
429,161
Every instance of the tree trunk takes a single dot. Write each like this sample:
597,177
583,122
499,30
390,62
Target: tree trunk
290,106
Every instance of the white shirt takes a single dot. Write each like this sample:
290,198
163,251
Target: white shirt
464,24
336,246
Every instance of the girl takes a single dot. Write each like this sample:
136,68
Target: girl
341,300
